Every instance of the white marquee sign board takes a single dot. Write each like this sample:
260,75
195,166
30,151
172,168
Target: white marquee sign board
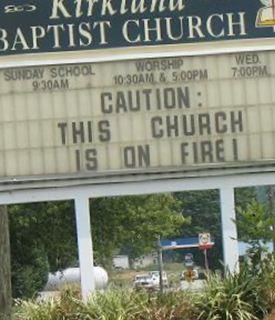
135,116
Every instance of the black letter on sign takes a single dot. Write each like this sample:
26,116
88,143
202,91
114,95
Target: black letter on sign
104,129
90,158
63,127
137,157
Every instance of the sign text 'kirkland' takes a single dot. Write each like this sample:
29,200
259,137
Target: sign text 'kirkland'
66,25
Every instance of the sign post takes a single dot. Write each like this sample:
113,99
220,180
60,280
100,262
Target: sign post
160,263
229,229
206,260
205,243
85,248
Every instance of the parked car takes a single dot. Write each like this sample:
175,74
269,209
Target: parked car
155,276
150,280
143,281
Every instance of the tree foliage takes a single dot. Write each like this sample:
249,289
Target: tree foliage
204,210
254,224
43,235
244,196
47,226
203,207
133,223
43,239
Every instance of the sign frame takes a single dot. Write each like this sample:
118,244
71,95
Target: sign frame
143,52
185,50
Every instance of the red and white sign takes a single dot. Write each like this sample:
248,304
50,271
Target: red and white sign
205,241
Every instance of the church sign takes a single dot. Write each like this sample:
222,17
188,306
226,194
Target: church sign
32,26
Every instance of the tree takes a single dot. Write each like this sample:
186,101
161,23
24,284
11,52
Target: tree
5,273
255,228
50,226
204,210
133,223
43,235
43,239
244,196
254,224
203,207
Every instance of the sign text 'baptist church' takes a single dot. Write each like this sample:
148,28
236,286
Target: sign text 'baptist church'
65,25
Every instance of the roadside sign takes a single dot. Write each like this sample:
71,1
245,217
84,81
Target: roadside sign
205,241
189,260
190,274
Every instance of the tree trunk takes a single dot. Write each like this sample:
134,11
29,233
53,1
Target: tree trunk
5,272
271,200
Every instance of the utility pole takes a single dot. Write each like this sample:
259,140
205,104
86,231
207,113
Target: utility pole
5,271
160,265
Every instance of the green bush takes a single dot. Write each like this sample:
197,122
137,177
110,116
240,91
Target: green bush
29,277
110,305
266,276
236,297
243,296
225,299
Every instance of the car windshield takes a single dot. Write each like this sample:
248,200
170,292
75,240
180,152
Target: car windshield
138,278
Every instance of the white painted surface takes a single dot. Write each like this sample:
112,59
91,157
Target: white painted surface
145,261
212,111
72,276
139,187
229,229
142,52
121,262
85,249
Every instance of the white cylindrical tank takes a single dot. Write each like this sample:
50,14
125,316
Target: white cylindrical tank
72,276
